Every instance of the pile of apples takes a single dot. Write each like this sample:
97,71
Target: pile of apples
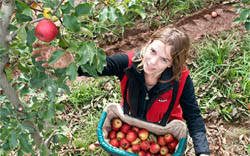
139,140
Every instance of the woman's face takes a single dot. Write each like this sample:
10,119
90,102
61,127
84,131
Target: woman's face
156,58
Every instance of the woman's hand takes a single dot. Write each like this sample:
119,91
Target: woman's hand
43,52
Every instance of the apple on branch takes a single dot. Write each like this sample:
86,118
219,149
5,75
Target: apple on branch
46,30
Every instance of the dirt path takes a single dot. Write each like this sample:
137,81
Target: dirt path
224,139
196,26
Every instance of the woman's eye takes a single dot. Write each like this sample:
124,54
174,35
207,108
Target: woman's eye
164,60
152,51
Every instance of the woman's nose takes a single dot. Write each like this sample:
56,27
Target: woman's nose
153,60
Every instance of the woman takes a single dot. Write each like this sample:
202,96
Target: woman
155,83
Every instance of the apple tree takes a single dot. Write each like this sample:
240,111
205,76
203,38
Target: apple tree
29,92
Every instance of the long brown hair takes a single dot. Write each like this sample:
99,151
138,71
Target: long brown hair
180,43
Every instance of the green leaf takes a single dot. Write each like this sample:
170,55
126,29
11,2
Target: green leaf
12,27
71,23
111,14
22,18
244,14
66,8
13,139
87,31
100,60
72,71
56,56
247,25
43,151
87,52
71,2
50,112
30,37
21,6
139,10
103,16
21,33
89,69
83,9
25,145
62,139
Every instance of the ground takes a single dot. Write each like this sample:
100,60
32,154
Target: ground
225,139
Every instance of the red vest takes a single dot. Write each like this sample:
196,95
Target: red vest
161,104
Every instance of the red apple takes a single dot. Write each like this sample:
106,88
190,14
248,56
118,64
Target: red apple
131,136
130,150
120,135
141,153
143,134
154,148
214,14
114,142
145,145
116,124
136,129
148,154
136,148
163,150
46,30
125,127
168,138
112,134
137,141
172,145
124,143
161,141
92,147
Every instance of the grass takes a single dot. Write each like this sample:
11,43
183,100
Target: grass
222,75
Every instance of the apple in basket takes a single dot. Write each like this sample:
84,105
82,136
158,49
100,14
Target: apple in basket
116,124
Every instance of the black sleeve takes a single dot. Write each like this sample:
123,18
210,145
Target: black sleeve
116,64
192,115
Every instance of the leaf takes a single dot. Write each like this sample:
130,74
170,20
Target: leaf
87,31
66,8
247,25
22,18
83,9
111,14
71,23
72,71
25,145
56,56
103,16
21,33
30,37
62,139
43,151
101,60
13,139
244,14
21,6
139,10
86,52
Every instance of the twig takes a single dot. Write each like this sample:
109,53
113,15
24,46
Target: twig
57,7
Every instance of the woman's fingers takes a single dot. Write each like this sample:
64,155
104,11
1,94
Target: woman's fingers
40,58
45,65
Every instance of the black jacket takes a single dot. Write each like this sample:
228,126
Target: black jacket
117,66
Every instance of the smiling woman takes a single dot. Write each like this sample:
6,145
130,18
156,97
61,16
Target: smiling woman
155,83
